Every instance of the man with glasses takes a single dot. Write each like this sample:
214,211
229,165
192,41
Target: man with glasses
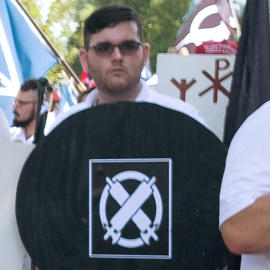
25,107
114,55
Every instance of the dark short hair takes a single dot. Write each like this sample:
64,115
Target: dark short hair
107,16
33,85
30,84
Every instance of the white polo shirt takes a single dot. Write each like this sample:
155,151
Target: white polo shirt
18,135
247,174
145,95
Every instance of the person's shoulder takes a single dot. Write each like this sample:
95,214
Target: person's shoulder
17,134
177,105
64,115
255,125
262,112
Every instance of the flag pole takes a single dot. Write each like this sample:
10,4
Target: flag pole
81,86
238,30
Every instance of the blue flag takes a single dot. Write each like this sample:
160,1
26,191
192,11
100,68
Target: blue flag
23,53
67,98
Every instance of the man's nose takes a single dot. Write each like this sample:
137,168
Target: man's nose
116,52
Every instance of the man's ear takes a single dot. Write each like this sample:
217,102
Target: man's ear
84,59
146,52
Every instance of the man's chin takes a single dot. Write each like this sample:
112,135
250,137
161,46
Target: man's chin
117,87
118,80
17,123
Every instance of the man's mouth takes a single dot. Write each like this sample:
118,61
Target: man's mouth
117,70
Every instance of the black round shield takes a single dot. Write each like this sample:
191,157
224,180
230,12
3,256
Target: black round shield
124,186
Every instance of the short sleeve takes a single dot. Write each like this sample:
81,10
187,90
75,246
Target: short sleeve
247,172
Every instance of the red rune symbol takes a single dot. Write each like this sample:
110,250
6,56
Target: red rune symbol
217,81
183,87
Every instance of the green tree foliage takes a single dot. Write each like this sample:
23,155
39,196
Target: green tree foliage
162,25
65,21
33,8
161,20
64,24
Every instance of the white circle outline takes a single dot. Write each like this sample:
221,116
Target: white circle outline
123,176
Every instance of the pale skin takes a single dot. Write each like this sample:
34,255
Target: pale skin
117,76
248,231
25,111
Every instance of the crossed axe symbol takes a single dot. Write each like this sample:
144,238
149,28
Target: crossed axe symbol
131,209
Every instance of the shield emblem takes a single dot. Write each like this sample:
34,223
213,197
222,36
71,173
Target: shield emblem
127,185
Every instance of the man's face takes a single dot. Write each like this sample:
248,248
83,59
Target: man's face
25,108
116,73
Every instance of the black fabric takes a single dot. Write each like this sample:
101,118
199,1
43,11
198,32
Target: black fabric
52,206
251,80
39,135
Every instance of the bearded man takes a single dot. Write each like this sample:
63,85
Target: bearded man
25,108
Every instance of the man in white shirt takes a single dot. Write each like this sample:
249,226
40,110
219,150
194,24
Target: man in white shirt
245,192
114,55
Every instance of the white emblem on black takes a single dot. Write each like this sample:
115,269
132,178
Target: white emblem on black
130,209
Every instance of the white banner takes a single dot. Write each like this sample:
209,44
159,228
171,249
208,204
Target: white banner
202,80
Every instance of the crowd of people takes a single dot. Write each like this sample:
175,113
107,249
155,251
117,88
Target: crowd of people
114,54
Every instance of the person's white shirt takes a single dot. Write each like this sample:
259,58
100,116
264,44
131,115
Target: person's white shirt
247,175
145,95
4,127
18,135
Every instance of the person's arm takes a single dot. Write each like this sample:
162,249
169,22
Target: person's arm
248,232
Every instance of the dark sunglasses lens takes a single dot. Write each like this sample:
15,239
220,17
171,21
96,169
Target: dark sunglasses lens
104,49
129,47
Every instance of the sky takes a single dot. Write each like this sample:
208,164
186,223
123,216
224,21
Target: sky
45,5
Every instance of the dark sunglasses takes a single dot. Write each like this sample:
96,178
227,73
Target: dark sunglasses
106,48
